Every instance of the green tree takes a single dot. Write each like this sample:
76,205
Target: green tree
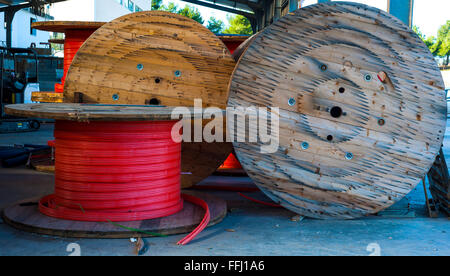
215,25
443,42
191,12
429,41
187,11
439,46
156,4
238,24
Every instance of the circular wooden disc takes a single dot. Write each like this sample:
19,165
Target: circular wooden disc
156,57
63,26
97,112
25,216
349,144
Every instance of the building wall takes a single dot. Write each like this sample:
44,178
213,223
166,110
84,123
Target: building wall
96,10
73,10
21,36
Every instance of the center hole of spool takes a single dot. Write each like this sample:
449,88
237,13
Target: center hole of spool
154,101
336,112
157,80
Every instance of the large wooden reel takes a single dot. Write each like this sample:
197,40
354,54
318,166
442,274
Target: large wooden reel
156,58
362,109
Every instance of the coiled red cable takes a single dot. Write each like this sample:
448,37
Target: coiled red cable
74,39
117,171
231,163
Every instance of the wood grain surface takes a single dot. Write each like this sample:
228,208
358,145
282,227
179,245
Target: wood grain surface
63,26
25,216
98,112
366,98
156,57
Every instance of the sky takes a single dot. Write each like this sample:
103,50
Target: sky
428,15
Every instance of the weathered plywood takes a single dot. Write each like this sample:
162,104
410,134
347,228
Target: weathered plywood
98,112
47,97
25,216
369,140
157,57
63,26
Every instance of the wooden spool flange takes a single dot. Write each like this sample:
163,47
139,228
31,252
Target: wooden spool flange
362,109
25,216
161,58
64,26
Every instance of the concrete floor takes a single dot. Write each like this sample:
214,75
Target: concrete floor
248,229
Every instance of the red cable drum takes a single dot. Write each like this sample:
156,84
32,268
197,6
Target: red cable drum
73,41
117,171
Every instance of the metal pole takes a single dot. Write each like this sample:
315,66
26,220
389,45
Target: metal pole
402,9
293,5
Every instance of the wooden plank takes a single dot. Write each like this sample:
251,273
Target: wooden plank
26,216
47,97
156,57
63,26
98,112
326,58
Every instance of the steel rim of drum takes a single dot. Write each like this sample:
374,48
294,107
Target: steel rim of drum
353,165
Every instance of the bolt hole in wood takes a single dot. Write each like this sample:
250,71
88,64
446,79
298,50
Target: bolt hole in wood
154,101
330,138
157,80
341,90
336,112
381,122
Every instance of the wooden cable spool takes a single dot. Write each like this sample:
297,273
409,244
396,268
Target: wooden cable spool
362,109
156,58
100,188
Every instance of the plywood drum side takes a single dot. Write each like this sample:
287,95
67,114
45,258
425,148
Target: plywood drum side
362,109
157,57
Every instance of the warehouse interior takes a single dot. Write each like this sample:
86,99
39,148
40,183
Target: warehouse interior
237,201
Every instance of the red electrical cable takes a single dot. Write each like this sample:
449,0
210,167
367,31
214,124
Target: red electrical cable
117,171
73,41
231,163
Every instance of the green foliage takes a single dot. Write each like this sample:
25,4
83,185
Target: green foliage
443,42
187,11
238,24
439,46
215,25
191,12
156,4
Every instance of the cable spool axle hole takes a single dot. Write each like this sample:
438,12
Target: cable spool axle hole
154,101
336,112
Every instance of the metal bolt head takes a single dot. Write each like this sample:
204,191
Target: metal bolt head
115,97
323,67
177,73
368,77
140,67
349,156
381,122
305,145
291,101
